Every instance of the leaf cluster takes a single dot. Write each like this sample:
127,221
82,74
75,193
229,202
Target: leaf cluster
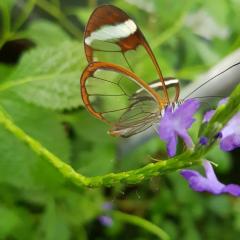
50,146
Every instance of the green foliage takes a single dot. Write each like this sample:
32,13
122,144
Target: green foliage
49,76
10,221
19,166
51,147
5,71
45,33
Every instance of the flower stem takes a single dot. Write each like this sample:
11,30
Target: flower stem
143,223
65,169
184,160
129,177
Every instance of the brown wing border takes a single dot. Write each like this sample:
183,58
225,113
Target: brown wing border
139,34
92,67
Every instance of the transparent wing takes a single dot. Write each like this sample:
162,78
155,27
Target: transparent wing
172,85
112,36
108,93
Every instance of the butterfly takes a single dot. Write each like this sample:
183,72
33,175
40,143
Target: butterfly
114,88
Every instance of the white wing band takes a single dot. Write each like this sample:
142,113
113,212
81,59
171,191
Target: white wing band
112,32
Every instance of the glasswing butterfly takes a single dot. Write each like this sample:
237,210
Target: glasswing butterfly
113,90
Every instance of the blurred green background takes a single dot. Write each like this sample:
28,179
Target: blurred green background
41,60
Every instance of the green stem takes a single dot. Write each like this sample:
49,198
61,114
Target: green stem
5,13
111,179
26,11
187,159
9,34
140,222
53,10
65,169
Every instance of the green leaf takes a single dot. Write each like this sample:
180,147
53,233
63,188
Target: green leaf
45,33
20,166
93,149
53,224
91,129
220,205
221,13
5,71
82,14
49,76
100,160
77,210
7,4
143,155
11,220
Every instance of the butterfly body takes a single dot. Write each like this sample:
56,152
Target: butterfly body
113,90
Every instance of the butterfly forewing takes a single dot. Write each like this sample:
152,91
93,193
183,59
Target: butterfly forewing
111,26
108,93
112,36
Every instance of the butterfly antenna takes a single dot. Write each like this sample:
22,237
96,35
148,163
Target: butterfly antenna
234,65
208,97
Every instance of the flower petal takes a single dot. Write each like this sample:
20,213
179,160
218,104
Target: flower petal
187,174
222,101
172,145
208,115
231,134
185,136
210,183
107,206
232,189
230,142
184,113
174,124
105,220
214,185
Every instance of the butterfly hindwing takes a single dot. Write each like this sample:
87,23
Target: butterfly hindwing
108,93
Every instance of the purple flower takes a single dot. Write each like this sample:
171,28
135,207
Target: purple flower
203,140
208,115
175,123
230,134
107,206
106,220
210,183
